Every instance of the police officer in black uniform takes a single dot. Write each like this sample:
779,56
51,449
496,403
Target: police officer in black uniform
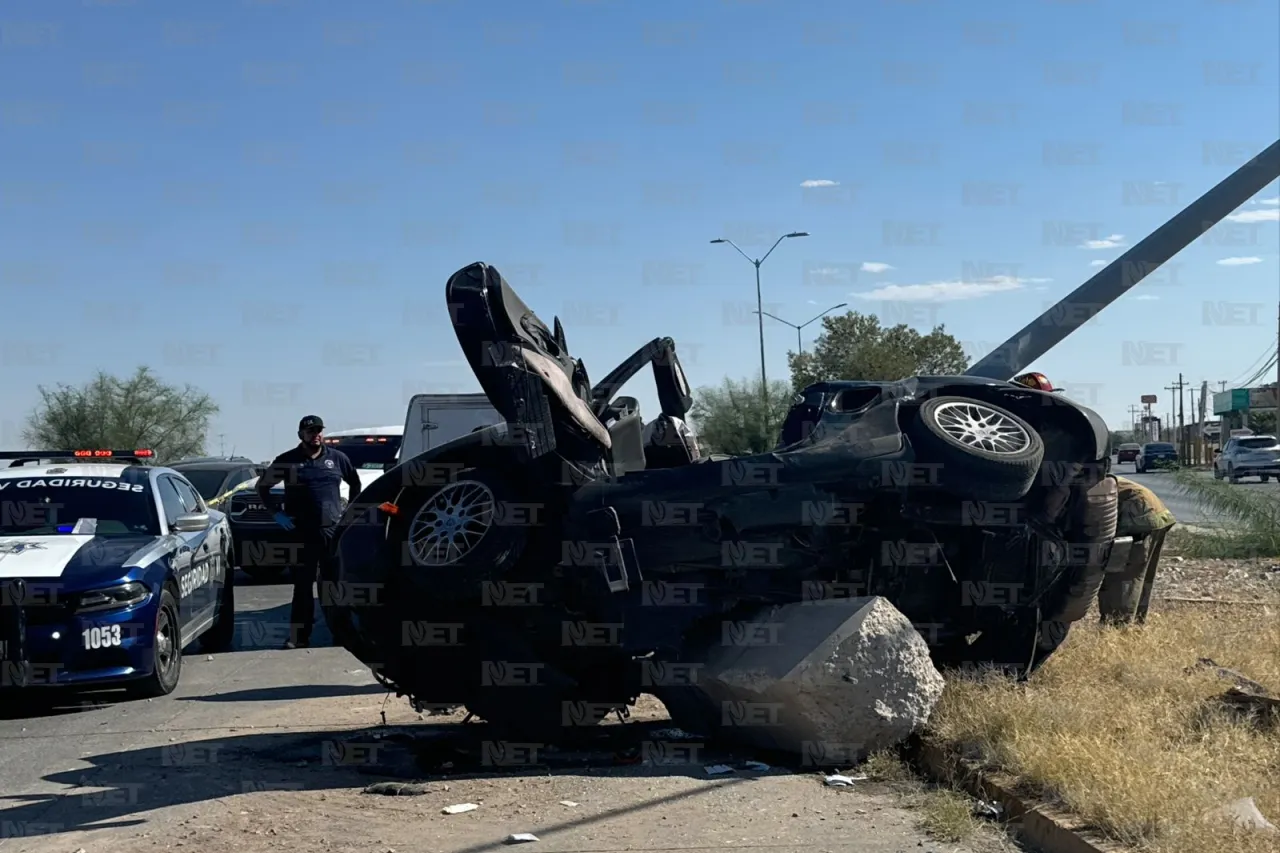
311,473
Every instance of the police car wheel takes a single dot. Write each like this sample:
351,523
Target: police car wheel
221,634
166,651
984,452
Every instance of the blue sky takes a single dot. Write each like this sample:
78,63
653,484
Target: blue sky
265,199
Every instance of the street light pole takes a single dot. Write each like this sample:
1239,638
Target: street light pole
799,344
764,379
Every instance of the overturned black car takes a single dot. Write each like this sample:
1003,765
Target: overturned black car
565,542
564,562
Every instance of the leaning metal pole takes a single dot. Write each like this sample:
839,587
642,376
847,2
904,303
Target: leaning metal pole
1114,280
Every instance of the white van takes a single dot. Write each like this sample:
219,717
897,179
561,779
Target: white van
436,419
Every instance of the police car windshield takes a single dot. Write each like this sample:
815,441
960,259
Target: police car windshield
52,506
208,481
367,451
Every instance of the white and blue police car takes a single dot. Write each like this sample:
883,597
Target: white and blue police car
109,568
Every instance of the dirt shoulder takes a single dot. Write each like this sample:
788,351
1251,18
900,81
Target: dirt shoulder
302,788
1137,730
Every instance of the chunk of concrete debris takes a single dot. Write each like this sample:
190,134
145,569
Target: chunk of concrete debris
1244,812
832,680
835,780
461,808
521,838
569,803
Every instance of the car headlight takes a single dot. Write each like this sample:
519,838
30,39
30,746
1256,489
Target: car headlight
124,595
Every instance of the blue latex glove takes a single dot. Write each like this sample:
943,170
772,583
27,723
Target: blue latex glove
284,521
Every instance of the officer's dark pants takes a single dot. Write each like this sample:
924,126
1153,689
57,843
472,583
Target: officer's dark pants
317,544
1125,596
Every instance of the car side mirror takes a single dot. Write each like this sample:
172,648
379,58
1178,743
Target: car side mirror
192,522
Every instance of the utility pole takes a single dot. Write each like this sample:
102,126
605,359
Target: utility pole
222,447
1176,391
1182,421
1133,419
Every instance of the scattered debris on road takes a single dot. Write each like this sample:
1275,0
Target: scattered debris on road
461,808
398,789
521,838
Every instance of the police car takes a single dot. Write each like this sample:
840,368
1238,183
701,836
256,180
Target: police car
109,567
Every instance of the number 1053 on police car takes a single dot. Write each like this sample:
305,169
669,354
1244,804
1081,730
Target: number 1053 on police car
103,637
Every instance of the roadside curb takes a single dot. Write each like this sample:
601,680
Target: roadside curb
1040,825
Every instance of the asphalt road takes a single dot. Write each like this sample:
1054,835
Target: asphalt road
1186,510
87,740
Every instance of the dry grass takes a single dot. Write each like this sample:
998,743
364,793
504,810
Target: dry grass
1116,730
948,816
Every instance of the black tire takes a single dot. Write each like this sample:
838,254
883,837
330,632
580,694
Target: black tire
1266,478
488,558
222,633
166,668
975,472
1232,477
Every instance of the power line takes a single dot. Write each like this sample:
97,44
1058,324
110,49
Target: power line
1269,353
1262,371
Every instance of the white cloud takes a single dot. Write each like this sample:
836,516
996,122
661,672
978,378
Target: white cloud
948,291
875,266
819,183
1251,216
1274,202
1115,241
1146,297
1098,263
1238,262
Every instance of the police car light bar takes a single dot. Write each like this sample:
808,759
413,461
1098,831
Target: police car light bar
129,456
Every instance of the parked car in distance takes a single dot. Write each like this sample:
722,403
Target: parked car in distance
1128,452
1156,454
214,476
1248,456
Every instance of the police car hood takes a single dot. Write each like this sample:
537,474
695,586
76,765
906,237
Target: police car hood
72,558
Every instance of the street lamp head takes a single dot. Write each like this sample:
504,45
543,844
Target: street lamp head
841,305
798,234
719,240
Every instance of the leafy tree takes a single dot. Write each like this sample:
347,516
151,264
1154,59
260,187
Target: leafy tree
731,419
111,412
1263,422
856,346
